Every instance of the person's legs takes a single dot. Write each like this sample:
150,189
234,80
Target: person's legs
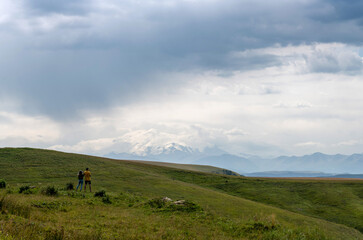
81,182
88,183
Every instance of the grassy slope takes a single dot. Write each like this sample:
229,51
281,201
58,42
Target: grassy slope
336,201
193,167
225,216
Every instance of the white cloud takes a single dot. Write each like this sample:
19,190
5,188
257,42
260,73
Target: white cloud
317,57
349,143
309,144
32,129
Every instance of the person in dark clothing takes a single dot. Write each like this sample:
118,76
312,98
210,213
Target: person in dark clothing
80,180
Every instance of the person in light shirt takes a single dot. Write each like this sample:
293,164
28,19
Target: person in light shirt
87,178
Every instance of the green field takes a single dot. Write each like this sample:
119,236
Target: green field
217,206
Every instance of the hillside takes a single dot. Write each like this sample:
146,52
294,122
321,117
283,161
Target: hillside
193,167
360,176
218,206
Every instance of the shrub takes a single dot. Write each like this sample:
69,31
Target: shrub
156,203
69,186
25,189
184,206
50,191
101,193
106,199
2,183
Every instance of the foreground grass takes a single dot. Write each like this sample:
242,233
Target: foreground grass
127,215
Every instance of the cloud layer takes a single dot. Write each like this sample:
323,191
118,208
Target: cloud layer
250,76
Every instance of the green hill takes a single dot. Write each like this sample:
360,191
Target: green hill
216,206
193,167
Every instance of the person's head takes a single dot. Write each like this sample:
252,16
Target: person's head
86,169
80,172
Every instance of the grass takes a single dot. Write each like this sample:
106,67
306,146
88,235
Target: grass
130,208
336,201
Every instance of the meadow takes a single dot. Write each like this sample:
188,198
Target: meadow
36,203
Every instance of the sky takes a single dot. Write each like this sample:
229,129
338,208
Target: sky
267,78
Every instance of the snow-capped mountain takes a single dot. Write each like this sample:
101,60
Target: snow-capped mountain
170,148
171,152
177,153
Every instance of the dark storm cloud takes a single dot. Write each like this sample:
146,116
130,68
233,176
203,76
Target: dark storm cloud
58,83
71,55
339,10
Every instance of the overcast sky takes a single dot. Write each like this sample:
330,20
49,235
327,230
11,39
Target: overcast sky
255,77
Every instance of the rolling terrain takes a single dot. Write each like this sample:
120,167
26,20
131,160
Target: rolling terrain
217,206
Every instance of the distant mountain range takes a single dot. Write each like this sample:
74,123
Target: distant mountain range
302,174
315,165
288,174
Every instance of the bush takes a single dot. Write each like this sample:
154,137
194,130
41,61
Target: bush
184,206
69,186
2,183
156,203
24,189
101,193
106,199
50,191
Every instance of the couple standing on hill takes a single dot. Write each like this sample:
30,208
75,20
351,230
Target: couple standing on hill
87,175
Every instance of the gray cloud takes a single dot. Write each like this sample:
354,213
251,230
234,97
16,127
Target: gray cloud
333,62
339,10
63,56
54,6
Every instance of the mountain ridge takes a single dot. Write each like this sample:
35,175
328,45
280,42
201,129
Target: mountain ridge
317,162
